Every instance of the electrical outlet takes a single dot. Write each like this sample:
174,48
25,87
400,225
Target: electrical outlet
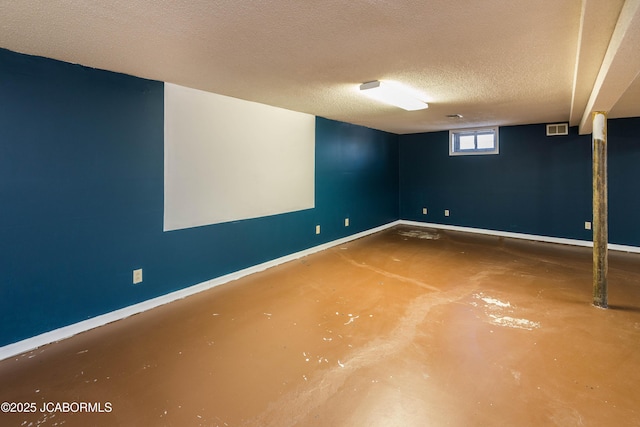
317,229
424,211
446,212
137,276
346,222
587,225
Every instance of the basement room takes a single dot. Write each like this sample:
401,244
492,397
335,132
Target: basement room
340,213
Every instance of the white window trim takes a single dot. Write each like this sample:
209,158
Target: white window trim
476,152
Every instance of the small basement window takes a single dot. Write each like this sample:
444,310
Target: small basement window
473,141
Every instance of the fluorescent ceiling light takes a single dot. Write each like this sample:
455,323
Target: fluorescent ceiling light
392,95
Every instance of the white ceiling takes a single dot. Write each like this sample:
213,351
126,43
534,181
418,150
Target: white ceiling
495,62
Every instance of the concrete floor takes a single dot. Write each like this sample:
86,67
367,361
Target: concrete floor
408,327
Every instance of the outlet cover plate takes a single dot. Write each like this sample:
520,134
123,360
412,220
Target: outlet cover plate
137,276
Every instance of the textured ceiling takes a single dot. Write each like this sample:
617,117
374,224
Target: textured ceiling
495,62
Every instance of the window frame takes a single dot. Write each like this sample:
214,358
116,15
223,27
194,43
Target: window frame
454,141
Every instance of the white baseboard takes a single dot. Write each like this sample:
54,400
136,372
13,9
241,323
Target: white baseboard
547,239
32,343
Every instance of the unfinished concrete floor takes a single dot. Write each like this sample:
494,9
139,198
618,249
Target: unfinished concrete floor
408,327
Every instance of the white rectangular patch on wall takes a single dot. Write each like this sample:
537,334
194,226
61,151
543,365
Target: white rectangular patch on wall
227,159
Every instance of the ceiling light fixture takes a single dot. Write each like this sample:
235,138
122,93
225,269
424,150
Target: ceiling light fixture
392,95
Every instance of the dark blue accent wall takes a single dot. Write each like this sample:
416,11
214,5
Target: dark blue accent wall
81,198
359,170
623,136
537,184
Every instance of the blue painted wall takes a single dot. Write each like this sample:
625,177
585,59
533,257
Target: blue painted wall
537,184
623,136
81,198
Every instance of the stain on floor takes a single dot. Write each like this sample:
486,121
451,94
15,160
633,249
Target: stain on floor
394,329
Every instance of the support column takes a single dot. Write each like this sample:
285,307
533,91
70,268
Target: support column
600,210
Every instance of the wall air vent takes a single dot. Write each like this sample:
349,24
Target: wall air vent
558,129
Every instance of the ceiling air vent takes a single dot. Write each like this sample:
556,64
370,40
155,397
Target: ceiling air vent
558,129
